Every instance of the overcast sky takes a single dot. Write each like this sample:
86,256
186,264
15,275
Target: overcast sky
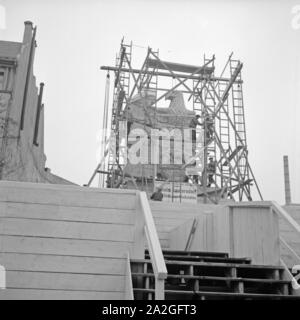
76,37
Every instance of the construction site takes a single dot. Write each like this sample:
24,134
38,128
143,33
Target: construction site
216,100
173,209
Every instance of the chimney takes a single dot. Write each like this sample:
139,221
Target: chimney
27,32
287,187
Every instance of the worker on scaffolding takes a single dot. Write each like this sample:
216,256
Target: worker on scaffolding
193,126
208,126
157,195
211,171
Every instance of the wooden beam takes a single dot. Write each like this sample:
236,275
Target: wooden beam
167,74
286,216
179,67
157,259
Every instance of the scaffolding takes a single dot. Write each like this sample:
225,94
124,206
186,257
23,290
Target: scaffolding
218,100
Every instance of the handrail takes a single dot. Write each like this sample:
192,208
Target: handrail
290,249
288,218
128,280
281,212
156,255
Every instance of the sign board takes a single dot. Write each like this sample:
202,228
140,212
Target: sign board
178,192
193,171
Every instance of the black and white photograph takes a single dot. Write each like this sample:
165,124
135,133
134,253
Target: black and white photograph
150,150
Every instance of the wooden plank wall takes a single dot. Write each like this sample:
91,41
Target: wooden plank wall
254,233
211,232
246,230
66,242
168,216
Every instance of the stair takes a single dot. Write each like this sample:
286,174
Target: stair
210,276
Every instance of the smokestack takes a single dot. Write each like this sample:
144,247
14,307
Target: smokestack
287,187
27,32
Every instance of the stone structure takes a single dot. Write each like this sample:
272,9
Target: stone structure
140,114
22,155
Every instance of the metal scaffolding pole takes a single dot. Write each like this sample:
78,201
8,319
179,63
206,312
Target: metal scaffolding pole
223,119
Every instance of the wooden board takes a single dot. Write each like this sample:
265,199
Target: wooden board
63,263
66,242
65,229
255,234
78,247
241,230
210,234
64,281
66,195
36,294
67,213
179,67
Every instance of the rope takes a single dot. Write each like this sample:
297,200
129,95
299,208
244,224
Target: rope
105,119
